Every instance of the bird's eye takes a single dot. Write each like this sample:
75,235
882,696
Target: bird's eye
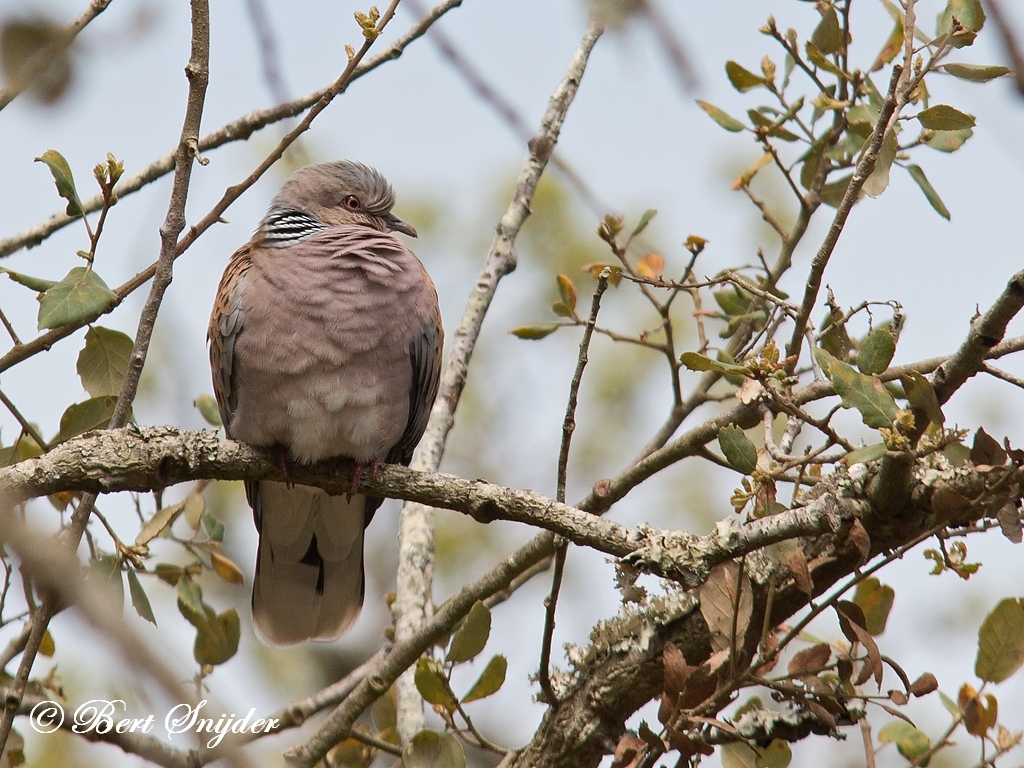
352,203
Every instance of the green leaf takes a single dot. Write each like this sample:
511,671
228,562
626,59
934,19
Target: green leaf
536,331
738,754
865,393
35,283
976,73
879,178
471,636
217,635
140,601
921,396
22,42
208,409
160,520
828,35
968,12
739,451
217,641
910,742
429,749
79,297
818,59
811,161
875,599
490,681
90,414
214,528
726,121
949,141
943,117
732,300
698,362
833,192
103,361
778,754
61,172
1001,641
876,351
775,130
645,219
865,454
432,685
742,79
929,191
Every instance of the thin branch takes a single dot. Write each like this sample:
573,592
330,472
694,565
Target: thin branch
568,427
415,561
26,425
238,130
197,71
864,168
61,42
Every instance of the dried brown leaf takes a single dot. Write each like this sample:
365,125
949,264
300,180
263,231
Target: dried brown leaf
810,660
726,601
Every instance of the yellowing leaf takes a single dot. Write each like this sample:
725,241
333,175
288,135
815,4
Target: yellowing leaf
535,331
46,645
567,291
651,266
726,121
875,599
226,569
742,79
430,682
490,680
158,522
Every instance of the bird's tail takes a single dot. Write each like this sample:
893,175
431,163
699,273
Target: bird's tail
309,568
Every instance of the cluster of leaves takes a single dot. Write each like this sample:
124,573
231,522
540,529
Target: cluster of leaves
826,685
433,678
835,126
102,365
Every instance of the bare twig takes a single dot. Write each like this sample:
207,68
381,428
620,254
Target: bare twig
1010,42
197,71
568,427
864,168
61,41
416,527
238,130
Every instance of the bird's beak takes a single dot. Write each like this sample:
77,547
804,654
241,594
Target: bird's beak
395,224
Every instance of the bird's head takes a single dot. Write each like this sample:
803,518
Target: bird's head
340,193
